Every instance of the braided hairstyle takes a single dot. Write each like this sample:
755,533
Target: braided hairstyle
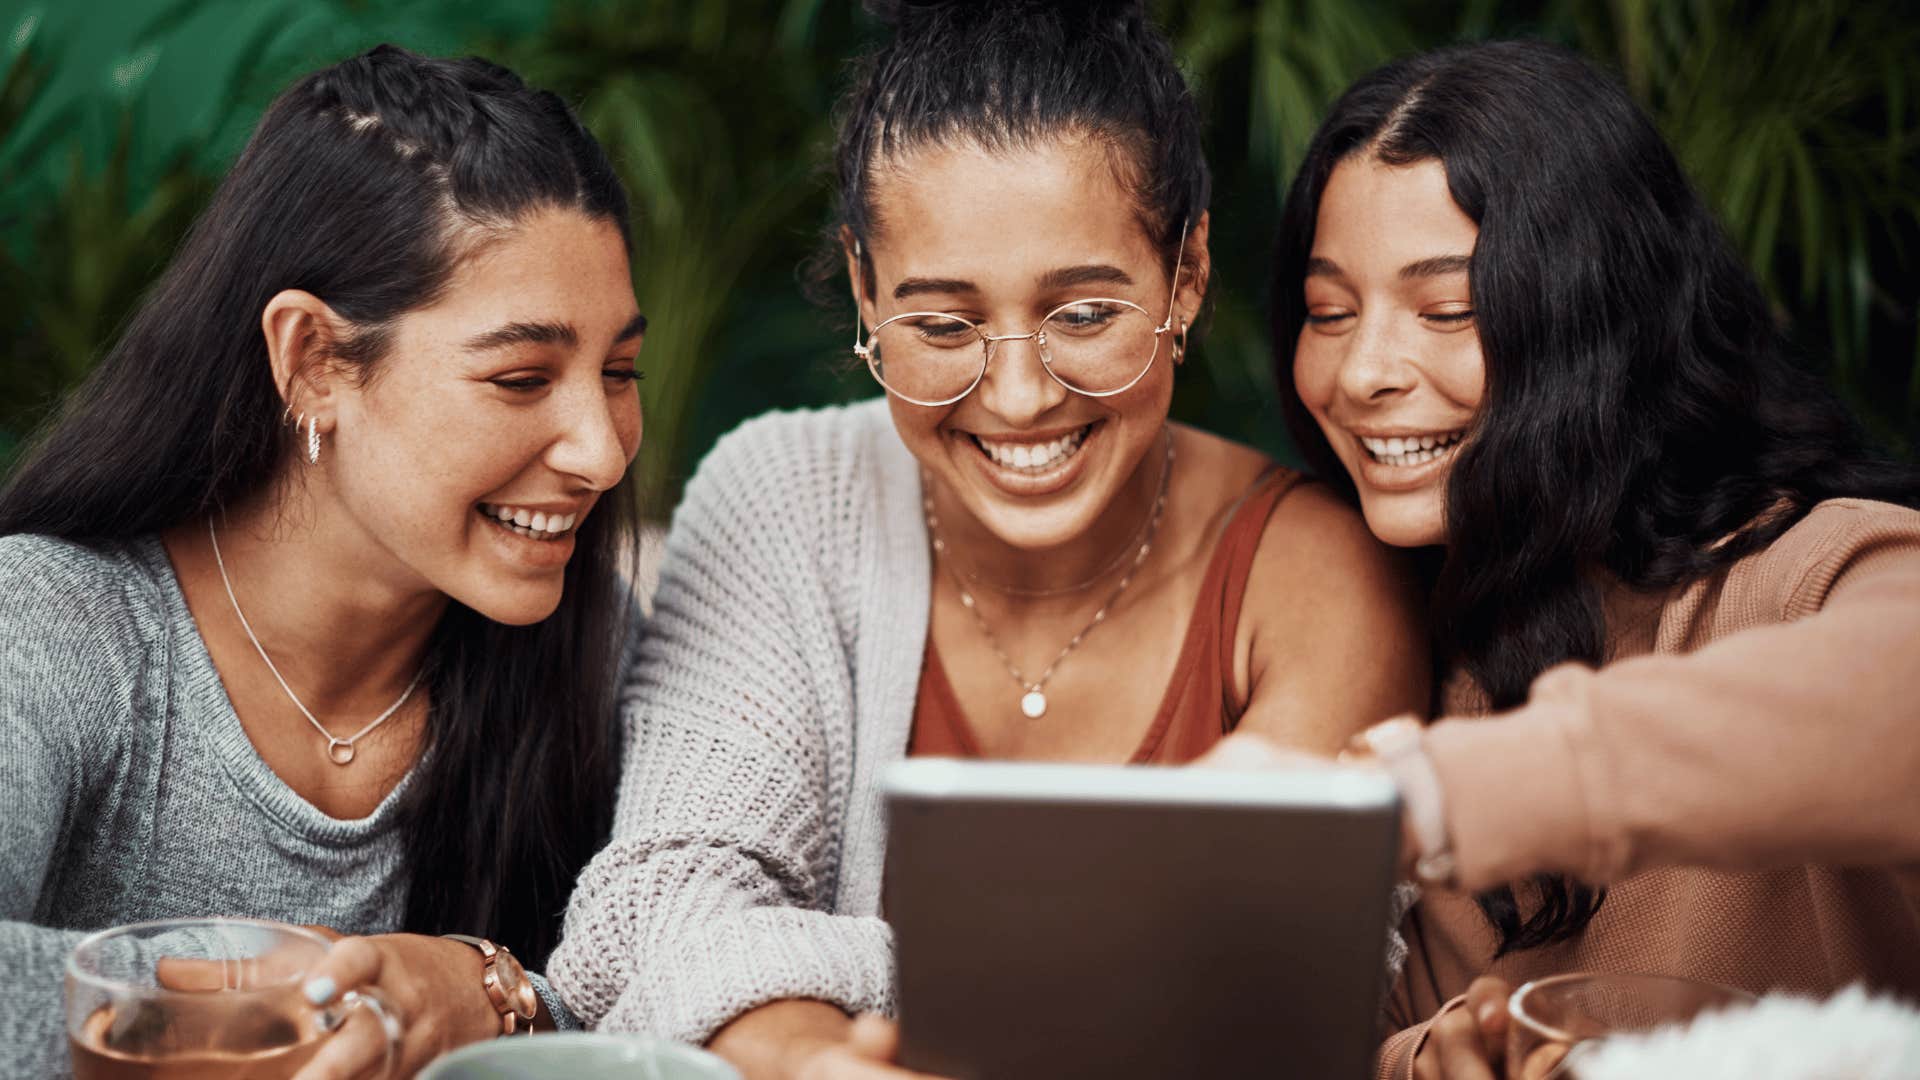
365,184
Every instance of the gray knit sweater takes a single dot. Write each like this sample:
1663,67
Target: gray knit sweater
776,677
131,791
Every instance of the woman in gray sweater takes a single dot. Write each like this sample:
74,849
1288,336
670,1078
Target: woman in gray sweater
312,606
1014,554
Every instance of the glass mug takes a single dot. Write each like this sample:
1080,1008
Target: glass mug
1547,1018
219,999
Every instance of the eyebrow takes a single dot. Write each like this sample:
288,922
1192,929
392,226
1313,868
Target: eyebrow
544,333
917,286
1437,266
1064,277
1090,274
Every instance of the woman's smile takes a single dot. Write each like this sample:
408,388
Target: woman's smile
1030,465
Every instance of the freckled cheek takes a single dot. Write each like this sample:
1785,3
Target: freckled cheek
1314,371
1149,399
917,425
629,423
1462,376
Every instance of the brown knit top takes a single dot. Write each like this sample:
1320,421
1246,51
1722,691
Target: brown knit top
1743,775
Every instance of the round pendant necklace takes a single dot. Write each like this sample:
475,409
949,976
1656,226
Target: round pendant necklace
339,750
1033,702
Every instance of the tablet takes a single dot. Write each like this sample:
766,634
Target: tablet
1057,921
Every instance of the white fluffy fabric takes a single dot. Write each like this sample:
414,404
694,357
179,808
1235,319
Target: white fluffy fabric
1850,1036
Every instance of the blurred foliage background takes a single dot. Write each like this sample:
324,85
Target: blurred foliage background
1797,119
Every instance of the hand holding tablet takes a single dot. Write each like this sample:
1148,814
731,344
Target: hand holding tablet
1066,920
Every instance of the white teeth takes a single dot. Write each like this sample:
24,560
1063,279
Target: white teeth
1033,456
537,524
1408,450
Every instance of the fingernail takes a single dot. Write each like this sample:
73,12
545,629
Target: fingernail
320,989
1487,1013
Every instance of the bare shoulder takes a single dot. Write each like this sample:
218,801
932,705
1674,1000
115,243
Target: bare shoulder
1333,628
1226,468
1313,533
1317,559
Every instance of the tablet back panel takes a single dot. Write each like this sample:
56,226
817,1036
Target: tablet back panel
1068,921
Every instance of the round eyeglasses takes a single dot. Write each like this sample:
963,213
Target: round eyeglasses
1099,347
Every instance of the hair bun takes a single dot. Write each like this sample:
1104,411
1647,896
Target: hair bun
907,14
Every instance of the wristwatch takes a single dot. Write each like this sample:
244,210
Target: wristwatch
507,984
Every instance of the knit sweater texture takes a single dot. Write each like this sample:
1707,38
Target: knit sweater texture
1743,775
775,679
132,792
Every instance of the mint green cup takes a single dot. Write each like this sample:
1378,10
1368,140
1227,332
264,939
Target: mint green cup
580,1056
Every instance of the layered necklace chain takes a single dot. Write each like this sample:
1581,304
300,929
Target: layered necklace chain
1033,701
339,750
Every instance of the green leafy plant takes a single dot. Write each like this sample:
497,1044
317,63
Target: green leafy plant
715,115
1796,119
1801,122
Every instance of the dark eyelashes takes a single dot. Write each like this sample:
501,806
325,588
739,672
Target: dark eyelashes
1449,317
535,382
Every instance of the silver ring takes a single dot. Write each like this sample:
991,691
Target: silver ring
389,1018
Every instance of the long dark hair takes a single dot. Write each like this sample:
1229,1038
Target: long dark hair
360,186
1008,73
1641,405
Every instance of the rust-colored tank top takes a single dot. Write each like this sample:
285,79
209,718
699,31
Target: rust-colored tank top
1198,708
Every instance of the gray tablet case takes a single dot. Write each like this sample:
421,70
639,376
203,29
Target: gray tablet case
1057,921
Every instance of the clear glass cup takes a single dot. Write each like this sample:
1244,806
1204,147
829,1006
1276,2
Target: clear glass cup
217,999
1548,1018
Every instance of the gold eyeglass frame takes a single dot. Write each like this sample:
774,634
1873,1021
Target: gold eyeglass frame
864,351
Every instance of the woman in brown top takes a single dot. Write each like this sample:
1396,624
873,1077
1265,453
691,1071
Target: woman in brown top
1506,319
1024,225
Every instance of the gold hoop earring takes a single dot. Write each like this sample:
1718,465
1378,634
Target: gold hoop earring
1180,346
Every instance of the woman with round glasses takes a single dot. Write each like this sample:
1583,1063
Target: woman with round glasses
1012,554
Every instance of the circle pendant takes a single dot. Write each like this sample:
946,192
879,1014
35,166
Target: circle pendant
339,751
1034,704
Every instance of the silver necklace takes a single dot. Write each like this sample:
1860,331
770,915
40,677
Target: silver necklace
339,750
1033,702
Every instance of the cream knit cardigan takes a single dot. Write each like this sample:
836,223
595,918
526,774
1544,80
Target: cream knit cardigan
776,677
